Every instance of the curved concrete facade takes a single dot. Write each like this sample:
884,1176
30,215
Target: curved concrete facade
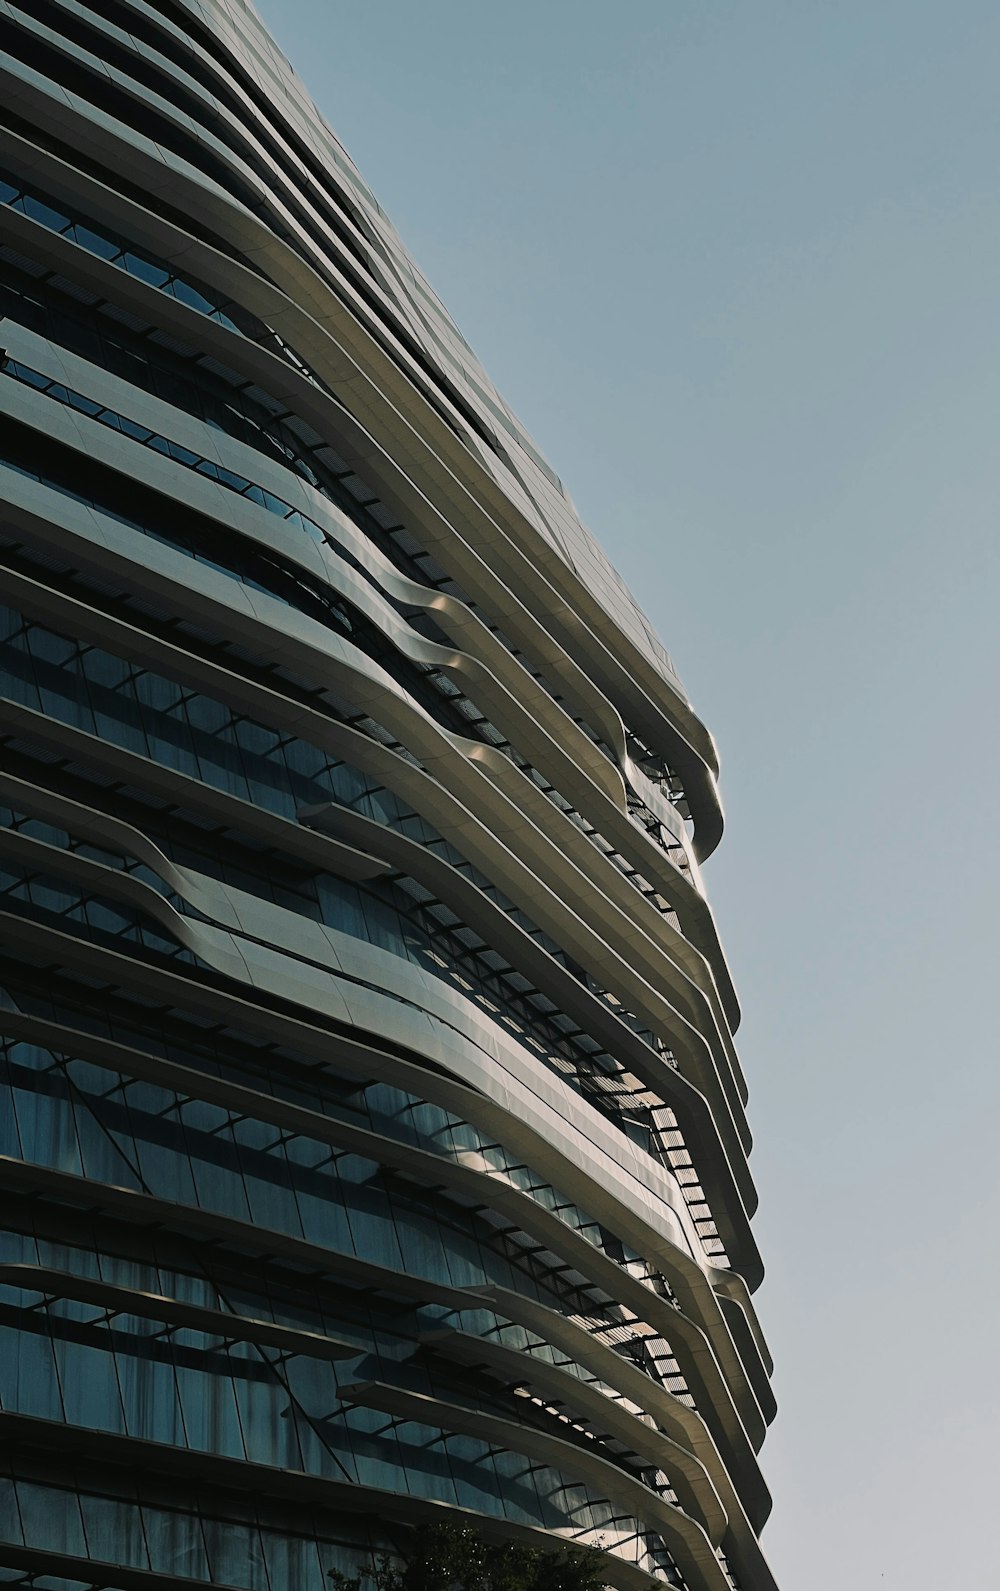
373,1138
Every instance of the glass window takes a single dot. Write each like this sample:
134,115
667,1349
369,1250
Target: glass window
235,1554
148,1386
154,275
89,1386
176,1543
28,1382
208,1402
53,219
51,1518
114,1531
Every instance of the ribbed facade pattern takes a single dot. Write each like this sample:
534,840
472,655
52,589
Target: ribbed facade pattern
372,1136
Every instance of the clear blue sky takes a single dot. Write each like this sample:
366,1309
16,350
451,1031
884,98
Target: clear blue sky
737,267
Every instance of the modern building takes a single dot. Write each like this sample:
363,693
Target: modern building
373,1137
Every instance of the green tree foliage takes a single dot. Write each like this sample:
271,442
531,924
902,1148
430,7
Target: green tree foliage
454,1558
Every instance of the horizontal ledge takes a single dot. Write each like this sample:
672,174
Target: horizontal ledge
707,1351
175,1312
686,1539
136,1455
696,1119
512,1367
309,1262
746,1492
685,1462
546,872
94,1572
313,1265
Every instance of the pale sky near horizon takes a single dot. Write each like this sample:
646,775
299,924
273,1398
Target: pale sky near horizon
737,266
